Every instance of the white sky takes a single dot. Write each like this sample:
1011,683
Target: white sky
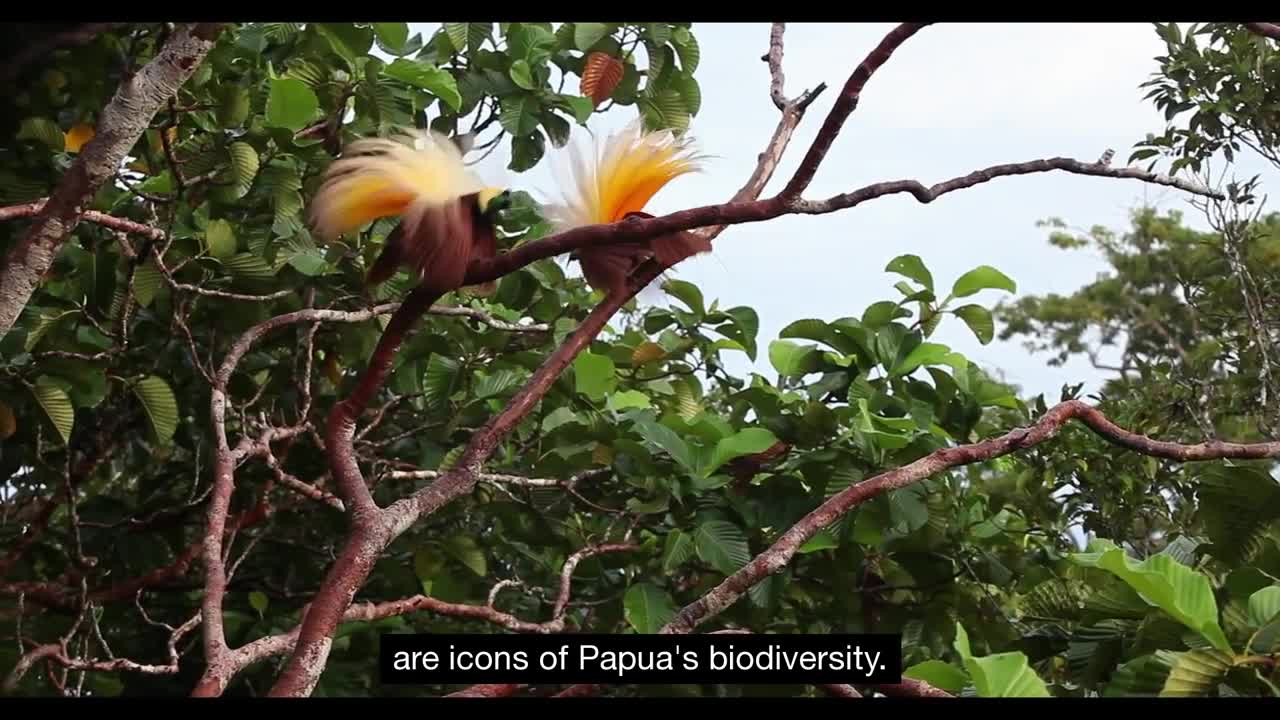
954,98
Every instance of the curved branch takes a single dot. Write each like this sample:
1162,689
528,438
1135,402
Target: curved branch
845,105
1271,30
753,211
778,555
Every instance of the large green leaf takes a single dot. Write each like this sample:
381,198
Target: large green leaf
594,375
291,104
647,608
979,321
221,238
466,550
744,442
667,439
244,166
983,277
722,545
913,267
1194,673
1264,606
161,405
1141,677
1001,675
1162,581
678,549
791,360
428,77
56,405
587,34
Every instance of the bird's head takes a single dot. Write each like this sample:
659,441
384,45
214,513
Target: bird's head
493,200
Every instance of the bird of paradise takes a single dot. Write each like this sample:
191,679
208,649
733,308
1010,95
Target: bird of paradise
447,214
617,181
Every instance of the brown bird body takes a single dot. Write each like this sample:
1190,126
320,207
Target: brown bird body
616,184
446,213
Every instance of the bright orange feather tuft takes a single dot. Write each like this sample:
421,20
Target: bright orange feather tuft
618,182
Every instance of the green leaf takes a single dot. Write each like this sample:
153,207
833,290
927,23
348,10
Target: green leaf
457,33
689,53
980,278
586,35
467,551
291,104
392,34
1194,673
687,293
526,151
926,353
1264,606
722,545
594,375
221,238
581,107
42,130
1001,675
259,601
628,399
1183,593
1141,677
244,166
147,281
348,40
667,439
913,267
791,360
679,548
744,442
522,75
234,105
56,405
979,321
427,77
498,383
939,674
647,608
158,400
249,266
690,92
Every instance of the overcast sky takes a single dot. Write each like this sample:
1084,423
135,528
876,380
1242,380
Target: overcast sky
954,98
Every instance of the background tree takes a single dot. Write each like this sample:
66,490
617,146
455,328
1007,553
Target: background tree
228,467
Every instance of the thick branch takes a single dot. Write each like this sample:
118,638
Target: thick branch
752,211
1271,30
122,122
776,558
225,462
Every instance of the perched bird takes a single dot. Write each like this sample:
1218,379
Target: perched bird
616,182
447,214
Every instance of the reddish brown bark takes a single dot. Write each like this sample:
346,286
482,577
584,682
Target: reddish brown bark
122,122
777,556
1271,30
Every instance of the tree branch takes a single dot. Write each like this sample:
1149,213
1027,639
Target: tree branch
637,228
1271,30
122,122
778,555
845,105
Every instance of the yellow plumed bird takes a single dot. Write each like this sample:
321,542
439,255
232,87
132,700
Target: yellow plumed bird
616,182
447,214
